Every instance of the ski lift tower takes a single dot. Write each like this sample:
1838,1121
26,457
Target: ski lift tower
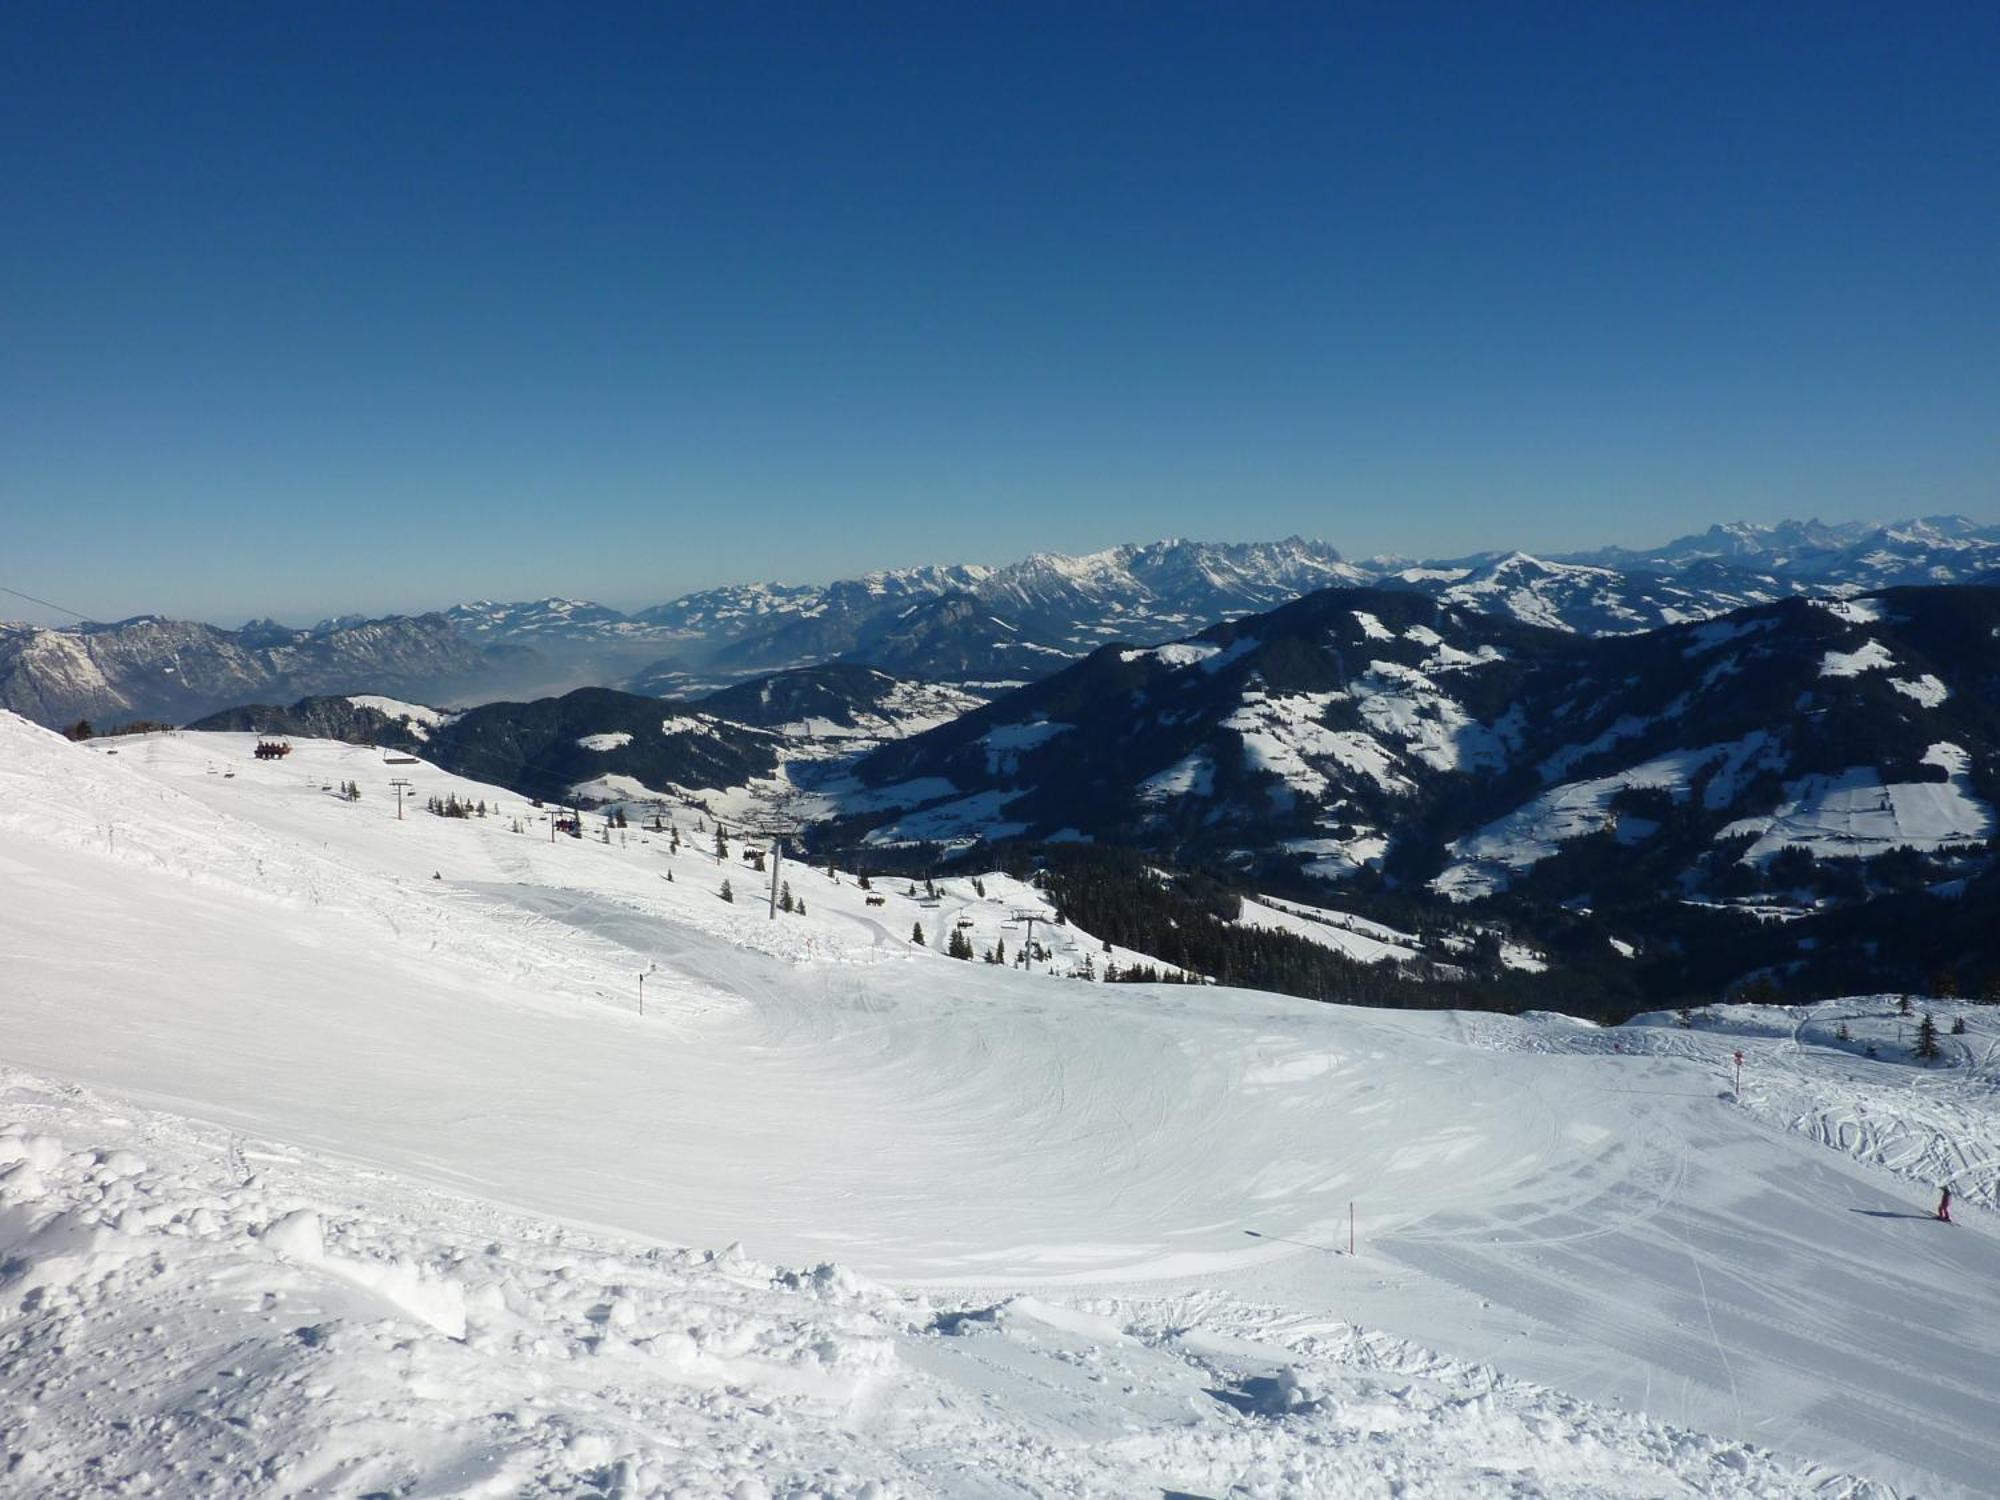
1026,914
776,829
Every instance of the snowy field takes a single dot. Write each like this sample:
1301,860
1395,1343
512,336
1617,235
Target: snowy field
337,1157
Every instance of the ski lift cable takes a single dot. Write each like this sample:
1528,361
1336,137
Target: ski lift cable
46,604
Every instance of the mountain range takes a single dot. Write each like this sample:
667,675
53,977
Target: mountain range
969,623
981,628
150,668
1782,781
1665,811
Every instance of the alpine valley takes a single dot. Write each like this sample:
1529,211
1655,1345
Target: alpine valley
1759,760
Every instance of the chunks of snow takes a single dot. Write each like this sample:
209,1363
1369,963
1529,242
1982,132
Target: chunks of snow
297,1234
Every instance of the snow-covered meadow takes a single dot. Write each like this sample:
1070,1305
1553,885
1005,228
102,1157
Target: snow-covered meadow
337,1156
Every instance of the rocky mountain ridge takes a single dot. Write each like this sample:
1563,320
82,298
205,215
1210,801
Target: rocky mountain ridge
981,628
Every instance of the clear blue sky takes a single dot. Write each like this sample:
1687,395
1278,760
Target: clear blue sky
315,308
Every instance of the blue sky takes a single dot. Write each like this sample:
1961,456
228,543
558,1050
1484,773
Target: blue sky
306,309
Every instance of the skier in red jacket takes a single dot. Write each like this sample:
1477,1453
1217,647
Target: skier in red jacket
1944,1205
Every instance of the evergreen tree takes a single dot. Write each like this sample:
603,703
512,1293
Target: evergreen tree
958,945
785,896
1927,1038
80,730
721,843
1902,1005
917,934
1958,1025
728,893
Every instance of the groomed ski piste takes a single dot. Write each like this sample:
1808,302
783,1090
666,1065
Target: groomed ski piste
337,1158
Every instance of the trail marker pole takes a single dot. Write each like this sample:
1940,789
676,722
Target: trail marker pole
777,859
1739,1072
401,786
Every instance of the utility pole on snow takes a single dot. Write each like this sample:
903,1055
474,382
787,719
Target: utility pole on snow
401,787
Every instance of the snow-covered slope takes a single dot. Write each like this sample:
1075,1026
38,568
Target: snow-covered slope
1780,754
354,1131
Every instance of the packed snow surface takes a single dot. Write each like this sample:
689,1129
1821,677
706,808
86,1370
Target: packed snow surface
337,1156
